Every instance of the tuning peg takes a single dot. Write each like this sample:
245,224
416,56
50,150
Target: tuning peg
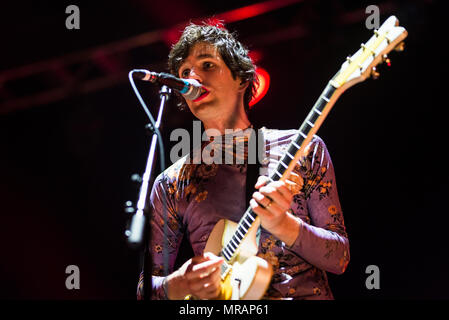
386,60
136,178
374,73
400,46
129,208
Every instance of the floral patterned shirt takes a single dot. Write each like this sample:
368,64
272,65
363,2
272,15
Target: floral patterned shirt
199,195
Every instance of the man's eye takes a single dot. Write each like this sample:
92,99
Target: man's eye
185,73
207,65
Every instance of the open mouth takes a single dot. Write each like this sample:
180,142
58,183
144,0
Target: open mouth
204,94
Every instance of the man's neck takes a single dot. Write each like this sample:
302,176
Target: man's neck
235,121
220,127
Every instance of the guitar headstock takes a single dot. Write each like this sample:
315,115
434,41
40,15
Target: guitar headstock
362,64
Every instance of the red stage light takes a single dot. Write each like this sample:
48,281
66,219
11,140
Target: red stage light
255,56
264,84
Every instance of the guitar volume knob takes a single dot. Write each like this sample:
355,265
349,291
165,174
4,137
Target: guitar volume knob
374,73
400,46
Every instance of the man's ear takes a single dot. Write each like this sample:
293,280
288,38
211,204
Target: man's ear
243,85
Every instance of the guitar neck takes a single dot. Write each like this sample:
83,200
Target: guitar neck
305,134
286,164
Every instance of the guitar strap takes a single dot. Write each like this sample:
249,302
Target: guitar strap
252,169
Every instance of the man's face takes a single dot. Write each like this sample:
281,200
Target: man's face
222,93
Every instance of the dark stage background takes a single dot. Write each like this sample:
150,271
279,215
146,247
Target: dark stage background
67,156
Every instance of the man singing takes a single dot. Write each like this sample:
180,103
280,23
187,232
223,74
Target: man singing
302,231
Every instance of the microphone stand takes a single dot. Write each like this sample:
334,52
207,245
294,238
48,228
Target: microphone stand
139,230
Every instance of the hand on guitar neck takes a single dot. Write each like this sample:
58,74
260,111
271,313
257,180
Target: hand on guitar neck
199,277
272,202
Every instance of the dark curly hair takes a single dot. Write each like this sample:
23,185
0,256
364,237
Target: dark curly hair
234,54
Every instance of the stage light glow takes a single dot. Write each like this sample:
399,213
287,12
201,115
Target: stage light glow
255,55
264,84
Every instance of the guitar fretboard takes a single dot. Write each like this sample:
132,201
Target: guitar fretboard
308,127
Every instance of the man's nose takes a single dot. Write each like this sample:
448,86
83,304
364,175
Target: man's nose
195,75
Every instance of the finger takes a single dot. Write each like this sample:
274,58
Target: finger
260,210
210,256
268,218
296,178
275,209
275,195
281,186
290,183
212,291
207,284
263,200
293,187
262,180
197,286
214,281
198,259
205,267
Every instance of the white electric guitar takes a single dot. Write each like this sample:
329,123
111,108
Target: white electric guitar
243,274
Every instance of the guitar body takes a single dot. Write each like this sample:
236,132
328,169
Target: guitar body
248,276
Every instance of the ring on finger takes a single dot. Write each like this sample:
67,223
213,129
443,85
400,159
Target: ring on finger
269,204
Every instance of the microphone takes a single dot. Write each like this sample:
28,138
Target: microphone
189,88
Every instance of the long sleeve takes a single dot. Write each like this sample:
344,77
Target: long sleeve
162,189
322,240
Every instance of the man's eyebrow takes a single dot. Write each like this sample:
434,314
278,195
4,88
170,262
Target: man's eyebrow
204,55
